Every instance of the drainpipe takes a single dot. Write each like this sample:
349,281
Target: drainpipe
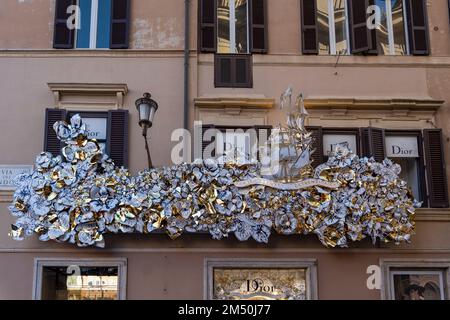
186,63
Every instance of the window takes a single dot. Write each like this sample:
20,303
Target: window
406,150
391,32
232,26
333,27
426,279
98,24
341,27
234,144
261,279
97,124
110,128
80,279
233,30
423,166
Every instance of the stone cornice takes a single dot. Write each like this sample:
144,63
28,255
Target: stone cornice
414,104
234,102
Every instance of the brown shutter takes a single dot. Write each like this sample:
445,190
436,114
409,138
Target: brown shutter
233,70
63,37
317,145
207,12
308,16
120,24
262,131
373,49
206,142
418,27
51,142
360,35
117,145
372,143
435,166
258,26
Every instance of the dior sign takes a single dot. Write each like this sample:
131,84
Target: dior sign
402,147
9,172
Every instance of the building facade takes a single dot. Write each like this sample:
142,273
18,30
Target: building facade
224,63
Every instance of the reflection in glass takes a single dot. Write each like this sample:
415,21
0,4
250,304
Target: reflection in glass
410,173
232,16
323,27
223,20
382,30
93,283
340,25
259,284
418,285
399,27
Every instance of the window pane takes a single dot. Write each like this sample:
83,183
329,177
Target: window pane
223,17
382,29
323,26
340,25
399,27
93,283
232,32
241,26
259,284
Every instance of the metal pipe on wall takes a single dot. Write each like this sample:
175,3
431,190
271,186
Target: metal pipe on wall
186,63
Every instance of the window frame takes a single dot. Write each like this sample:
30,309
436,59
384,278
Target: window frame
41,263
423,189
390,26
343,131
309,264
412,265
332,30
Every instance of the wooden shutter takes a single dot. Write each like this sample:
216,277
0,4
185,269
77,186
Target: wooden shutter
258,26
120,24
51,142
435,167
233,70
317,135
373,48
417,27
207,25
360,35
117,145
259,132
206,142
308,16
372,143
63,37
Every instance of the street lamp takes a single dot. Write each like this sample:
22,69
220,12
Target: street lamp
146,107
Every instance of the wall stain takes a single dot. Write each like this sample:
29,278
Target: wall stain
159,33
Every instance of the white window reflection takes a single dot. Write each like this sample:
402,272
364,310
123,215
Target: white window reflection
232,20
332,24
391,32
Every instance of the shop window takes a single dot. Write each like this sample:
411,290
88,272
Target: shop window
96,24
340,27
110,128
234,144
261,280
415,280
406,150
419,153
80,280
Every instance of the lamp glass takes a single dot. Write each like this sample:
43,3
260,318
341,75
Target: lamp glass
144,112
